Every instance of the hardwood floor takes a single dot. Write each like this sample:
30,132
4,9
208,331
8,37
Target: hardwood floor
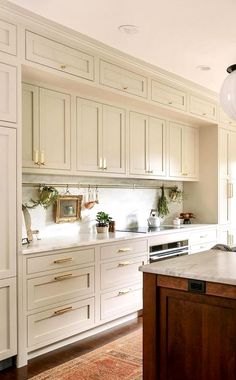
64,354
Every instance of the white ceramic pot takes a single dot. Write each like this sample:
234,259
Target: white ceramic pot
101,229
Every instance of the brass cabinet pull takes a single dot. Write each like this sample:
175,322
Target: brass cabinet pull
63,311
63,67
125,249
203,236
125,88
63,277
124,263
41,158
204,113
65,260
124,291
184,173
100,163
170,102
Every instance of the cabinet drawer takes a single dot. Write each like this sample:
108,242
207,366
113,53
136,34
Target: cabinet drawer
46,290
122,249
59,323
122,271
198,237
121,302
58,56
122,79
168,95
7,37
203,108
201,247
60,260
225,119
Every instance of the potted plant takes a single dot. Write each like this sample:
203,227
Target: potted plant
102,220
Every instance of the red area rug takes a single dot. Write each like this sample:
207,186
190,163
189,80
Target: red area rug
119,360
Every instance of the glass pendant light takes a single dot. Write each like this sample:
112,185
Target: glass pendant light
228,93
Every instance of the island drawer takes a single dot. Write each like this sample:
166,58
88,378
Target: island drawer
121,301
60,260
47,290
59,323
201,247
198,237
124,248
122,271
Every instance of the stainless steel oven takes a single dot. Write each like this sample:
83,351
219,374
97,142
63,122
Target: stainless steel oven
168,250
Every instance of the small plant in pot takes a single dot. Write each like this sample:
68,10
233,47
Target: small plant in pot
102,220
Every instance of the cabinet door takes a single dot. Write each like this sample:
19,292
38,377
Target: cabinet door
190,152
54,130
175,141
8,334
30,126
7,202
202,107
232,155
157,146
7,37
7,93
88,136
113,139
138,143
168,95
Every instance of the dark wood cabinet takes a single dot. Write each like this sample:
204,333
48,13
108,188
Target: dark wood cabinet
188,336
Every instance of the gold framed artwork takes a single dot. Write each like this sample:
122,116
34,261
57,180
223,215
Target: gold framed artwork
68,208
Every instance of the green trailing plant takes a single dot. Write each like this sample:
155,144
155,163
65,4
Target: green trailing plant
162,206
103,219
47,197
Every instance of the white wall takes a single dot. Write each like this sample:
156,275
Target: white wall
126,206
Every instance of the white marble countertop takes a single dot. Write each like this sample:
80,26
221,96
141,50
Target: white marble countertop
84,239
213,265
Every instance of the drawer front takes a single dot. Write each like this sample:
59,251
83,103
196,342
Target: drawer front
60,260
123,249
201,247
203,108
122,79
120,302
225,119
59,323
122,272
7,37
47,290
198,237
168,95
58,56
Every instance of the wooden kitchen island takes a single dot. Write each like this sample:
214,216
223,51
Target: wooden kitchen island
189,318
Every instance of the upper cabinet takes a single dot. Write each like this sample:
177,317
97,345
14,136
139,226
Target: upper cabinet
184,151
7,37
147,145
59,56
100,142
122,79
46,129
225,119
203,108
168,95
7,93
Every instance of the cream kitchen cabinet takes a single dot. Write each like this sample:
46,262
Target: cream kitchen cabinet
7,37
168,95
183,151
7,202
225,119
8,332
203,107
147,145
202,240
122,79
58,56
100,138
8,93
46,130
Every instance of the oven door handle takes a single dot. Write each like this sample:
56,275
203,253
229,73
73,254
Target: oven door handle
160,257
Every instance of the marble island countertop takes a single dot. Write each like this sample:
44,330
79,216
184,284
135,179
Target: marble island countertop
213,266
84,239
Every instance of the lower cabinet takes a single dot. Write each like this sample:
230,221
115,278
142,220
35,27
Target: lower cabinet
8,333
202,240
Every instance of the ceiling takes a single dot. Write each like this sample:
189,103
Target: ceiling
176,35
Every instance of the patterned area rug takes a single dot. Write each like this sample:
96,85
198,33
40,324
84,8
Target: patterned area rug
119,360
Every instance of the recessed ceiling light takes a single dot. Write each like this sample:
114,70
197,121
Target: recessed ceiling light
129,29
203,67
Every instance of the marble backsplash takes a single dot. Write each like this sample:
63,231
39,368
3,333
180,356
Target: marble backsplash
126,205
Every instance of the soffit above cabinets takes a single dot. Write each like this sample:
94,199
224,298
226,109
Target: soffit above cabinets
176,37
